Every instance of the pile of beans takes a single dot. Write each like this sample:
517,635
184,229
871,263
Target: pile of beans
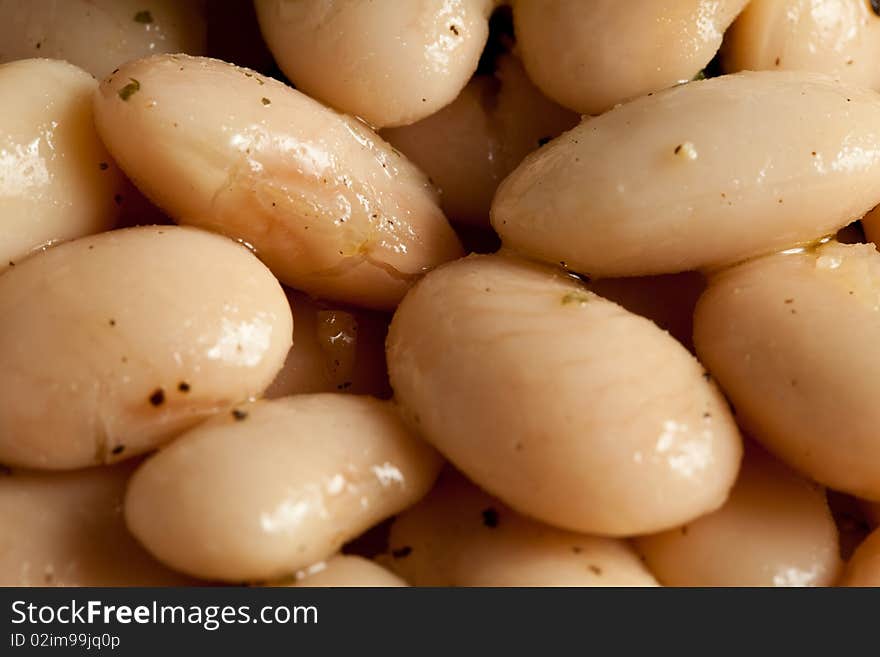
440,292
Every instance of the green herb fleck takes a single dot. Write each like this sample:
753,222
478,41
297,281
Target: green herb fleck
579,297
130,89
143,17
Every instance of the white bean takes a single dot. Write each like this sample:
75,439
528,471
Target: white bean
837,37
460,536
57,181
792,340
590,55
698,177
331,208
276,486
774,530
386,61
67,529
113,344
99,35
561,403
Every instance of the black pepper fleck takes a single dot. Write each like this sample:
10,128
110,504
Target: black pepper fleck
265,101
158,397
453,29
595,569
118,449
490,518
183,386
103,166
789,301
345,385
875,6
707,376
401,553
118,199
239,414
144,17
577,549
112,322
677,149
543,140
39,44
5,470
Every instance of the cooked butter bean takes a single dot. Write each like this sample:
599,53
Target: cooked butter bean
349,571
273,487
99,35
386,61
57,181
67,529
864,567
838,37
469,146
336,349
561,403
327,205
792,340
460,536
458,149
668,301
110,345
774,530
591,55
658,186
